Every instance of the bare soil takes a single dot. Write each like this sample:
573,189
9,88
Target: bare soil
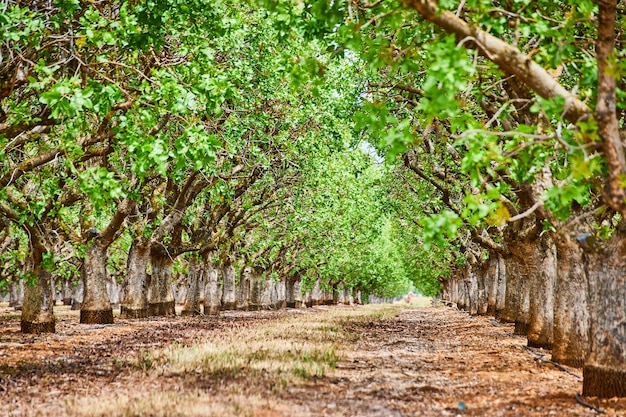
432,361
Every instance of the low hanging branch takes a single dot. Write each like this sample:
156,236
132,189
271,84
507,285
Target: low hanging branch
510,59
515,63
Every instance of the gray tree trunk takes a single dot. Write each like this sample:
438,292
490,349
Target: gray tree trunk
96,307
244,288
66,292
161,300
298,297
541,307
135,304
501,283
16,294
571,305
37,310
290,298
77,295
604,372
194,282
212,287
256,290
227,270
491,283
267,288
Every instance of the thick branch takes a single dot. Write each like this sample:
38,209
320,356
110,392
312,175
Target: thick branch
28,165
606,106
510,59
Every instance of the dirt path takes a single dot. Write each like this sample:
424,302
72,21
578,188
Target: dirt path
388,361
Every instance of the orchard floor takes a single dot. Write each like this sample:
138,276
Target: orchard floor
385,360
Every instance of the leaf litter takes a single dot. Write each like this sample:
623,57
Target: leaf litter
390,361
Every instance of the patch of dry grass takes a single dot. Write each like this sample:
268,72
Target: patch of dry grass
169,403
273,354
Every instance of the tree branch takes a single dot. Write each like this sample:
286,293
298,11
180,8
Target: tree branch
510,59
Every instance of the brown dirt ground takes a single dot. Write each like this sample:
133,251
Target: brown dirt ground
434,361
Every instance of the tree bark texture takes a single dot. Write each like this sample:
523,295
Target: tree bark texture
37,311
243,289
96,306
541,313
571,315
298,297
267,287
192,297
256,290
135,303
227,270
16,294
604,372
212,290
501,287
161,300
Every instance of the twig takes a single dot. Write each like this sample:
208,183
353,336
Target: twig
584,404
527,213
539,357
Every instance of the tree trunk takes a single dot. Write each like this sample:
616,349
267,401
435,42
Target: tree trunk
483,281
66,292
16,294
501,283
96,306
571,315
37,311
161,300
194,282
134,303
512,297
113,290
523,313
279,291
518,288
227,270
472,290
290,299
212,289
243,291
266,293
491,284
541,313
256,290
316,294
77,295
604,372
298,298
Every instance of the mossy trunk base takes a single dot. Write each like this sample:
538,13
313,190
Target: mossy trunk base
212,311
167,308
603,382
521,328
190,313
539,344
37,328
130,313
569,361
229,306
96,316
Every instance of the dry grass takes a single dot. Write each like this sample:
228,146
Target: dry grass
169,403
275,354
